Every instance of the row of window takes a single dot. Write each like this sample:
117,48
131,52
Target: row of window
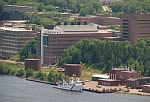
54,56
145,33
64,40
72,36
12,49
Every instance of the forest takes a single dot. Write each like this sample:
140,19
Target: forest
105,55
84,7
131,6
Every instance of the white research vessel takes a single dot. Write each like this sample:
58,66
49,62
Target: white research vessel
73,85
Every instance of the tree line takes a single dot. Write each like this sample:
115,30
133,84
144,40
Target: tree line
105,55
131,6
84,7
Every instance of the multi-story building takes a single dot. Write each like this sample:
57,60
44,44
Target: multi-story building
52,43
134,26
13,39
101,19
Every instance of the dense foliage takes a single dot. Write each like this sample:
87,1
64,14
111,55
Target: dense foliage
131,6
29,51
104,55
51,75
11,69
75,6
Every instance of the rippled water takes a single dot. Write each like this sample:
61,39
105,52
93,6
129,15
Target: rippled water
13,89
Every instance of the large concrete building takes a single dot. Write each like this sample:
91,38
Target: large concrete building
134,26
101,19
13,37
52,43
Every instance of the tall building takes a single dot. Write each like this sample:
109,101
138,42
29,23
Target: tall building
13,37
52,43
134,26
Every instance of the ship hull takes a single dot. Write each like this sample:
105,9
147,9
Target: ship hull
69,88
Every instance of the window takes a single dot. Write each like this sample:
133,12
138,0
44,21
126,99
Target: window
45,40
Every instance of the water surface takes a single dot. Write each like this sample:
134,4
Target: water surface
14,89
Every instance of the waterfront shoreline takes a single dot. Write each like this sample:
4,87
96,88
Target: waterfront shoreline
90,89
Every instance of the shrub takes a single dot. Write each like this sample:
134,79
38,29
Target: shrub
29,73
40,75
5,69
20,73
53,76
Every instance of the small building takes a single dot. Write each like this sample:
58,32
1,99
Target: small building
73,70
146,88
138,82
109,82
96,77
123,75
34,64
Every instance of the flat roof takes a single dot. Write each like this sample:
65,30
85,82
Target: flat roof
101,76
14,21
32,59
146,85
72,64
129,71
13,29
86,32
16,6
109,80
78,28
113,17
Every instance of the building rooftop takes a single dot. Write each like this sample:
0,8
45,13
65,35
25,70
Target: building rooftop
78,28
72,64
109,80
32,59
147,85
15,21
17,6
129,71
104,76
13,29
113,17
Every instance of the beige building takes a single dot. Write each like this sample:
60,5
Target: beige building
134,26
13,37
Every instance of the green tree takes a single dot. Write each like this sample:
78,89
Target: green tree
29,51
